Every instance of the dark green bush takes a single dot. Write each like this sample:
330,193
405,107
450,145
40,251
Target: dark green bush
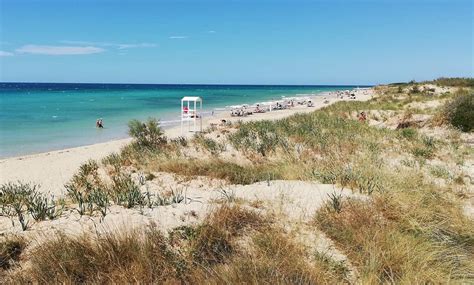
458,82
460,112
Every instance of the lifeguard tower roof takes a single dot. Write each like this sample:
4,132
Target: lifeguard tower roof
191,98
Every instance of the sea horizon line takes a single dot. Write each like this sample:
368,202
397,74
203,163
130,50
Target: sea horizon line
188,84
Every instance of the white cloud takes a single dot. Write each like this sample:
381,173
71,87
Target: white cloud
59,50
5,53
115,45
140,45
211,32
178,37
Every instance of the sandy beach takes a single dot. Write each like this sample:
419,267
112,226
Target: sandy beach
51,170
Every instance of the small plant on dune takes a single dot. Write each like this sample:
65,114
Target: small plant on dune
87,178
147,134
101,199
428,141
212,245
115,160
14,201
10,250
426,148
227,196
261,137
149,200
40,207
77,196
126,192
84,181
213,240
180,141
408,133
440,172
209,144
423,152
150,176
177,196
335,202
337,267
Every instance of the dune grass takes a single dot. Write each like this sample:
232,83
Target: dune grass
10,250
213,252
389,246
409,231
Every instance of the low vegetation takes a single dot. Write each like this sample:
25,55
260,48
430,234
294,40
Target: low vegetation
213,252
10,251
455,82
459,112
20,201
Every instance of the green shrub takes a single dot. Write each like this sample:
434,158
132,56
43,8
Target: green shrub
460,112
408,133
126,192
209,144
423,152
115,160
147,134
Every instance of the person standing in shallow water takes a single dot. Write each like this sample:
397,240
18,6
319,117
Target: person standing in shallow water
99,123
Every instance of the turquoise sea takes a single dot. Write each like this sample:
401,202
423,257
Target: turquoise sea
38,117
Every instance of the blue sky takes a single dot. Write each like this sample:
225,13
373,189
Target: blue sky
241,42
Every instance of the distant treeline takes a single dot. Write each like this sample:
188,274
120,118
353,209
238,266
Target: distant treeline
443,81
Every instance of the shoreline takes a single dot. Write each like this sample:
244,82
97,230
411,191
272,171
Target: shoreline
51,170
76,133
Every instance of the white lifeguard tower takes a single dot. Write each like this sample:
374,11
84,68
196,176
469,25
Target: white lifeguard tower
191,109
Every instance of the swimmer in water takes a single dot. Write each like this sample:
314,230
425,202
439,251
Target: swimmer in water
99,123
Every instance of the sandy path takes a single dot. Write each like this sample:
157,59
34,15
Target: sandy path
51,170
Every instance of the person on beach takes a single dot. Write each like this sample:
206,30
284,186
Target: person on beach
362,117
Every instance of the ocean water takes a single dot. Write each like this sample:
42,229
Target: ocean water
37,117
